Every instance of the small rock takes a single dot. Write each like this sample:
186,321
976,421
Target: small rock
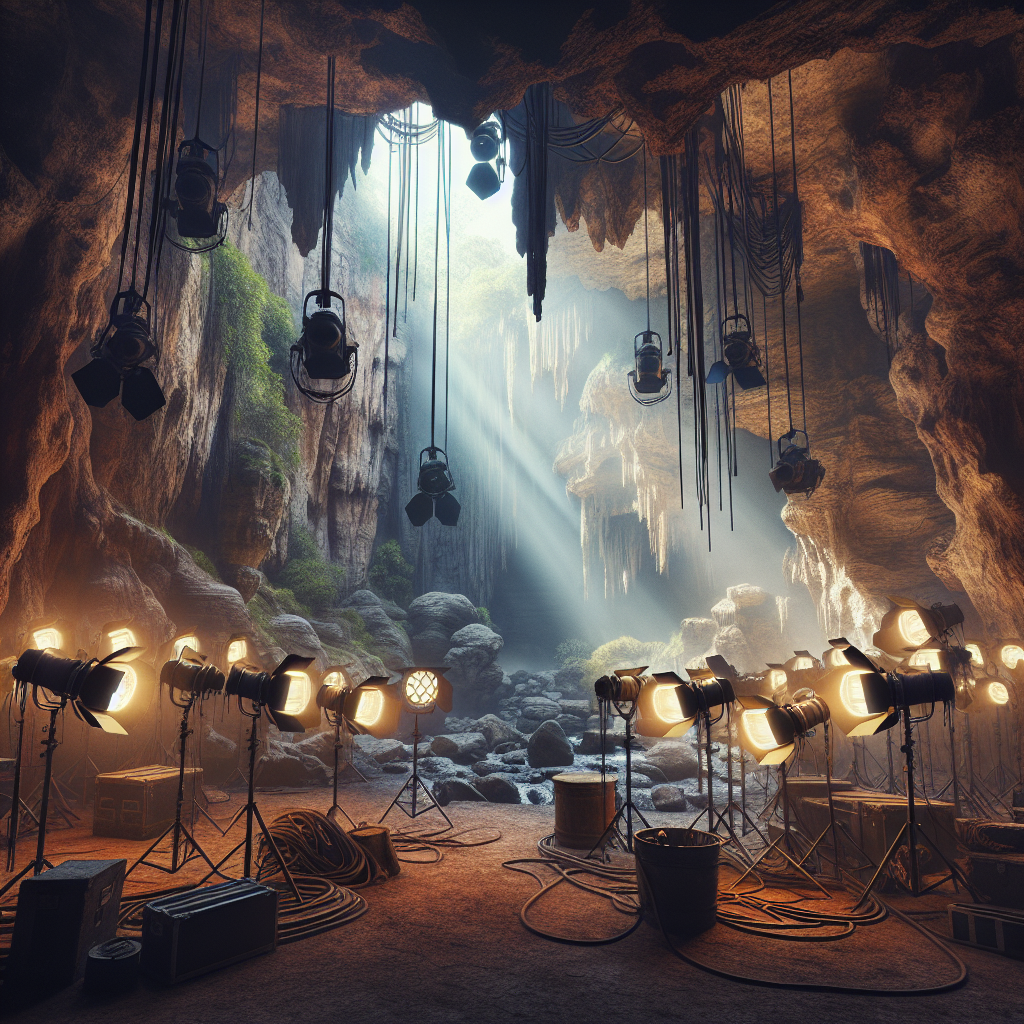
496,731
397,768
579,708
483,768
571,724
541,708
514,757
463,748
525,726
555,695
549,747
381,751
652,771
454,789
499,789
641,781
675,759
506,748
697,801
536,796
669,798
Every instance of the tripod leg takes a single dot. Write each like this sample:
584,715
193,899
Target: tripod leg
337,811
277,853
163,835
904,828
954,872
206,814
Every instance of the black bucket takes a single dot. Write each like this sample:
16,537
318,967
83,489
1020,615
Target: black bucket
677,875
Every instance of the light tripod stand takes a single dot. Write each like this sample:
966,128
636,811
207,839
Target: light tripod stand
339,723
725,815
184,846
626,710
408,798
251,810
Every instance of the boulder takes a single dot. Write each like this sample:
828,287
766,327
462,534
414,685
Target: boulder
677,760
536,796
381,751
497,731
731,643
397,768
697,635
317,744
281,765
392,640
539,708
482,768
570,723
216,746
652,771
507,748
591,741
499,789
577,708
669,798
330,633
433,618
474,672
462,747
548,747
454,789
746,595
296,636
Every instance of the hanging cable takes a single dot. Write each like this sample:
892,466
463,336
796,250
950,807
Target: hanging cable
798,259
448,280
256,117
437,260
204,16
647,246
778,236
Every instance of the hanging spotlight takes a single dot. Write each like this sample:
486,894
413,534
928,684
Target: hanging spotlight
909,625
485,180
649,383
435,482
742,358
796,472
323,350
771,731
126,343
90,686
197,211
286,693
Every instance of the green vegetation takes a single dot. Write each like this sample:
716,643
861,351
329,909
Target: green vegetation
256,330
485,617
314,581
625,652
361,636
572,652
203,560
391,575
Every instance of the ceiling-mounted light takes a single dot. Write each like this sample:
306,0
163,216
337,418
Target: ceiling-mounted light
909,625
742,358
796,472
197,211
649,382
435,483
484,180
286,693
115,367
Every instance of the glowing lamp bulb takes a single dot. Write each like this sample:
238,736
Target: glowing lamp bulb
237,651
802,664
182,642
421,689
121,638
125,690
759,732
299,692
46,638
666,706
998,693
836,658
928,659
977,658
369,709
1012,655
851,693
333,679
912,627
777,678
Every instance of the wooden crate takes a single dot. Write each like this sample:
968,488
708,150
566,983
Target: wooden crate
139,803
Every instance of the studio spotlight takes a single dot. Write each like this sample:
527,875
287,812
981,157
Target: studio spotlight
286,693
323,350
484,180
374,707
771,731
1012,656
742,359
434,498
185,641
658,708
47,636
649,382
909,625
796,472
335,687
197,211
188,675
126,343
988,692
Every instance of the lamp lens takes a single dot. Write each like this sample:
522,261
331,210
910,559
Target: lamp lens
776,678
237,651
998,693
300,689
369,709
851,693
120,638
421,689
665,703
46,638
759,732
912,627
836,658
1012,655
125,690
931,660
333,679
802,664
185,641
977,658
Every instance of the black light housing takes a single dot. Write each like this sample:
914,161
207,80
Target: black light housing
770,732
197,211
273,691
649,382
796,472
484,180
742,358
435,483
323,350
88,685
126,343
188,674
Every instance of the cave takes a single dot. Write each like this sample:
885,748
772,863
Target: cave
495,497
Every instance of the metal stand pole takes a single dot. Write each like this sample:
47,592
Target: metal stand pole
414,784
628,807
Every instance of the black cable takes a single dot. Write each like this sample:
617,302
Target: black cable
204,21
647,247
448,280
437,258
798,259
328,216
256,117
778,236
387,295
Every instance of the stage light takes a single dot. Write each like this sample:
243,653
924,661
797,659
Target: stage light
796,472
238,650
996,691
121,639
771,731
656,696
197,212
649,382
115,367
273,691
374,707
742,358
909,625
802,661
435,482
90,686
929,658
335,685
833,658
426,688
187,673
484,180
1011,655
703,693
189,640
323,350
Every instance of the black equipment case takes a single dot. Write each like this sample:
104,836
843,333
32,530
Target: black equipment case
194,932
140,803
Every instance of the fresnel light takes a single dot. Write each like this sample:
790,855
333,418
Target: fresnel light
650,381
742,359
197,212
909,625
485,180
117,358
323,350
435,484
286,693
796,472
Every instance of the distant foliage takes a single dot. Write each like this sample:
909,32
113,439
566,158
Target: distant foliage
391,575
315,582
625,652
485,617
572,652
256,329
361,636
